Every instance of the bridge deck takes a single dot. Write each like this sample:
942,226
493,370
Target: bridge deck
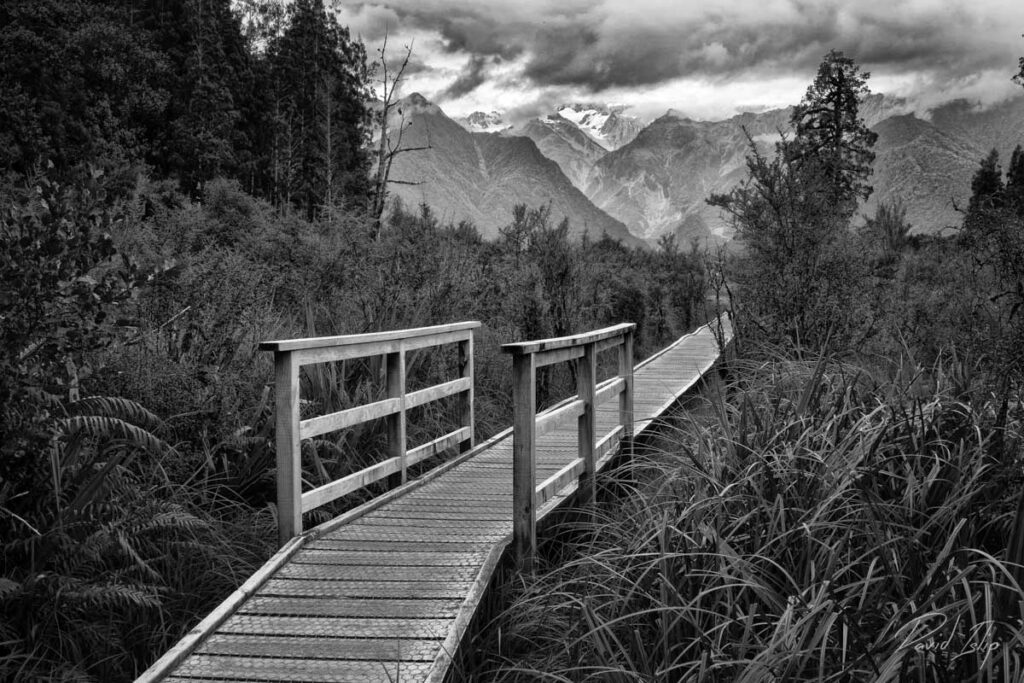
388,596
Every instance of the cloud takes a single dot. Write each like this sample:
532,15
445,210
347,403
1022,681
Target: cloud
370,22
472,77
606,46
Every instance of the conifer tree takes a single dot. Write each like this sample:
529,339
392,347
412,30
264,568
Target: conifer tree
79,83
830,132
319,78
792,213
1014,190
987,185
210,80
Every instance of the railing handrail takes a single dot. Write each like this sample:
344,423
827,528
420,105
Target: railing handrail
573,340
527,357
365,338
290,355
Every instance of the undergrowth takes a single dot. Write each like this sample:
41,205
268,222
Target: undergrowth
822,524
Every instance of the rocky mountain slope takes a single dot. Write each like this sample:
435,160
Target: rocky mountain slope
562,141
481,177
657,184
926,168
484,122
1000,126
608,126
575,136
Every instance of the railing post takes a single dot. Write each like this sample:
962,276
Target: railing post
626,397
396,423
289,448
586,380
467,398
524,460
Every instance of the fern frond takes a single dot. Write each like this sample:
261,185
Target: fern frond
117,407
245,442
330,446
95,544
113,596
137,560
8,587
102,427
175,518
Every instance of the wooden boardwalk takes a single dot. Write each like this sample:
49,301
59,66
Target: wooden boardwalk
386,593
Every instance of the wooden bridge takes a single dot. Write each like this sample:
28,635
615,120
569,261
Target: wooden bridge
386,592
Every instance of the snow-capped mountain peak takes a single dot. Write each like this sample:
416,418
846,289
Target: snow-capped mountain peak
485,122
605,125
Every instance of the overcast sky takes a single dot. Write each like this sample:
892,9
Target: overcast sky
708,59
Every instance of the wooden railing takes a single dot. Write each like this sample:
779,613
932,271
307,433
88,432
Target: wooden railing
527,357
290,355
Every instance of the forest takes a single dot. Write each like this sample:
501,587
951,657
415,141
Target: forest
183,179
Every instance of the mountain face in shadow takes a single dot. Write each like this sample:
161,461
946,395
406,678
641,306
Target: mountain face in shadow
999,126
480,177
926,168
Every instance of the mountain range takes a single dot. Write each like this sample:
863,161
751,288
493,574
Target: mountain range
480,177
609,173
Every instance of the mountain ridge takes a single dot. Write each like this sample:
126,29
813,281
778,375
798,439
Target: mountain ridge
658,181
480,177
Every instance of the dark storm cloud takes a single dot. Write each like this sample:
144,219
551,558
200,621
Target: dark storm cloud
414,66
603,44
469,80
472,31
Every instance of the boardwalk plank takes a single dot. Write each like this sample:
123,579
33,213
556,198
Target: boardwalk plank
424,589
409,608
376,574
297,670
304,647
379,546
355,627
396,558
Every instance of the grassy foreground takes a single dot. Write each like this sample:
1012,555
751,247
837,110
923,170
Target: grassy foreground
819,524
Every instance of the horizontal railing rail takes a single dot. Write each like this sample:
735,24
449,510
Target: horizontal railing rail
291,354
528,426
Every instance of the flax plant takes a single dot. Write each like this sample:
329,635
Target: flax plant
823,525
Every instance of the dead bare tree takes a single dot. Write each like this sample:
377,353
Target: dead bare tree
390,143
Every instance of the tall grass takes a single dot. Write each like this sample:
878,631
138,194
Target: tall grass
819,525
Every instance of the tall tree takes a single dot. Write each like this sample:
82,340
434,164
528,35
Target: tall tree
987,185
793,213
205,132
1014,189
828,129
319,80
79,84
